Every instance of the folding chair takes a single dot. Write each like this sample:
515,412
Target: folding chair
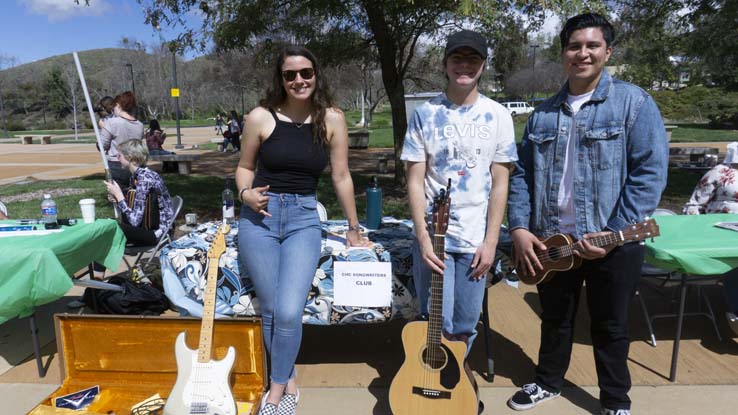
152,250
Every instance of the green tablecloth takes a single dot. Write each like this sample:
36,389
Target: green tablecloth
35,270
692,244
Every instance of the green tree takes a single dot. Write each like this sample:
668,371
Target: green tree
57,92
649,35
393,27
714,38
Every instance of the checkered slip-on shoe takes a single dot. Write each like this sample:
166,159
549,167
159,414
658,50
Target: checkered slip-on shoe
267,408
288,404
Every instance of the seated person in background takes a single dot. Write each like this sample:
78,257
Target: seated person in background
155,138
3,211
144,181
717,192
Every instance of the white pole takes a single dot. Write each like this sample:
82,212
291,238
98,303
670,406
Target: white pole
91,110
363,120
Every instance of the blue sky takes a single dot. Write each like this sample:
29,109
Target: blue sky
35,29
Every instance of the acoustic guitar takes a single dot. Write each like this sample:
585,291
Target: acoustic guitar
559,254
202,383
431,380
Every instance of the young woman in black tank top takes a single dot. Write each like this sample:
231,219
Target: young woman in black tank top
285,148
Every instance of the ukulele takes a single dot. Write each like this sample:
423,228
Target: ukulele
559,255
431,380
202,383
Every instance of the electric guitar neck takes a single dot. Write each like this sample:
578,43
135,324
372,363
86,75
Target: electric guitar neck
202,383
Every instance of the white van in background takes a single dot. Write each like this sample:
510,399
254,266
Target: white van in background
517,107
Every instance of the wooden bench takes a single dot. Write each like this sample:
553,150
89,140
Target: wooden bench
358,139
181,162
693,156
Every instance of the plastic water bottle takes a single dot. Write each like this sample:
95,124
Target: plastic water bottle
373,204
48,209
228,204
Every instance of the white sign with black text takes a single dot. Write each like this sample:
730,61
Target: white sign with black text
362,284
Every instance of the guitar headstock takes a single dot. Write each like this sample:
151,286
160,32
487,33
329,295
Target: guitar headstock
640,231
218,246
440,212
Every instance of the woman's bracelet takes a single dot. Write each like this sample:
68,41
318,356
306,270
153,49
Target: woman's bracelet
240,193
354,228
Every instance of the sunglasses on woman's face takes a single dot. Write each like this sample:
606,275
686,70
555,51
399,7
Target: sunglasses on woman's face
305,73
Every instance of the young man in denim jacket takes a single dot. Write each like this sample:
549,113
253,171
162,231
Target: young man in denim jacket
593,160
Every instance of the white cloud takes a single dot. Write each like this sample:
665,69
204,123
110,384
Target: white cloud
56,10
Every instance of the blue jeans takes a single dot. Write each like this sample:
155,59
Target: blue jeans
462,295
280,254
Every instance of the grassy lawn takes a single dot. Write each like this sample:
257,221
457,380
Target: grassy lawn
197,122
202,195
47,132
696,133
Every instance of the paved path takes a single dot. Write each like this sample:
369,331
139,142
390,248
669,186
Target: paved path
661,400
20,162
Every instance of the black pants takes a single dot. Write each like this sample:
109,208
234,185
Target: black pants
611,283
138,236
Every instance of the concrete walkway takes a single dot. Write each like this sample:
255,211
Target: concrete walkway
659,400
19,162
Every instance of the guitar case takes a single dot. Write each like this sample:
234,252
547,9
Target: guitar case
131,358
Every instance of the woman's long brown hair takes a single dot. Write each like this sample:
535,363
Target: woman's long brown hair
320,100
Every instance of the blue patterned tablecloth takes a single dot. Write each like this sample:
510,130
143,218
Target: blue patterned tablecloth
184,265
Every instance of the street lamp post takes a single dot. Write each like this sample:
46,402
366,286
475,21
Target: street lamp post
176,97
533,94
2,110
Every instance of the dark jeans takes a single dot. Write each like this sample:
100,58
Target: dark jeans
610,286
138,236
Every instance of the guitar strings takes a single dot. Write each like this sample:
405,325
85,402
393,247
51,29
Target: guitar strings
555,253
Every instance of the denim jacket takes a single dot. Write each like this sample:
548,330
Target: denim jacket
620,167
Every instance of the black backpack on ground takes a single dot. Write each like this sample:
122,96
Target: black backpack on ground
135,299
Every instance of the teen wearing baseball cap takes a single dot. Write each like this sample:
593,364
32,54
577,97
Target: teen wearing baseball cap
464,136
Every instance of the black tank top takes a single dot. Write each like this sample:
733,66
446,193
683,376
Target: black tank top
289,160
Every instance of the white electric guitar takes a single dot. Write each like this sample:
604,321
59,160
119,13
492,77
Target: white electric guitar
202,383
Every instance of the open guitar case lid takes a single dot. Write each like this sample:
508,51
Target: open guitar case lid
132,358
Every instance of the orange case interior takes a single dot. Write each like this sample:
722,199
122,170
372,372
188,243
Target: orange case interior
132,358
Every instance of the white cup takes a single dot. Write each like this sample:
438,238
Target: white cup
191,219
87,206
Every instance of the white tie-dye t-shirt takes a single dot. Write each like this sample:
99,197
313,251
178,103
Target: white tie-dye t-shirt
461,143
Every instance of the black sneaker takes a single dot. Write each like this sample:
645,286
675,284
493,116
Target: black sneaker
529,396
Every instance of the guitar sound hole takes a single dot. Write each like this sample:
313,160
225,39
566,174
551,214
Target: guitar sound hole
434,357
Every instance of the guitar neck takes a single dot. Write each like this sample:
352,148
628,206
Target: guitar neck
208,314
435,301
598,241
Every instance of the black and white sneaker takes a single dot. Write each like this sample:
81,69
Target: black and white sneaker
529,396
288,404
605,411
